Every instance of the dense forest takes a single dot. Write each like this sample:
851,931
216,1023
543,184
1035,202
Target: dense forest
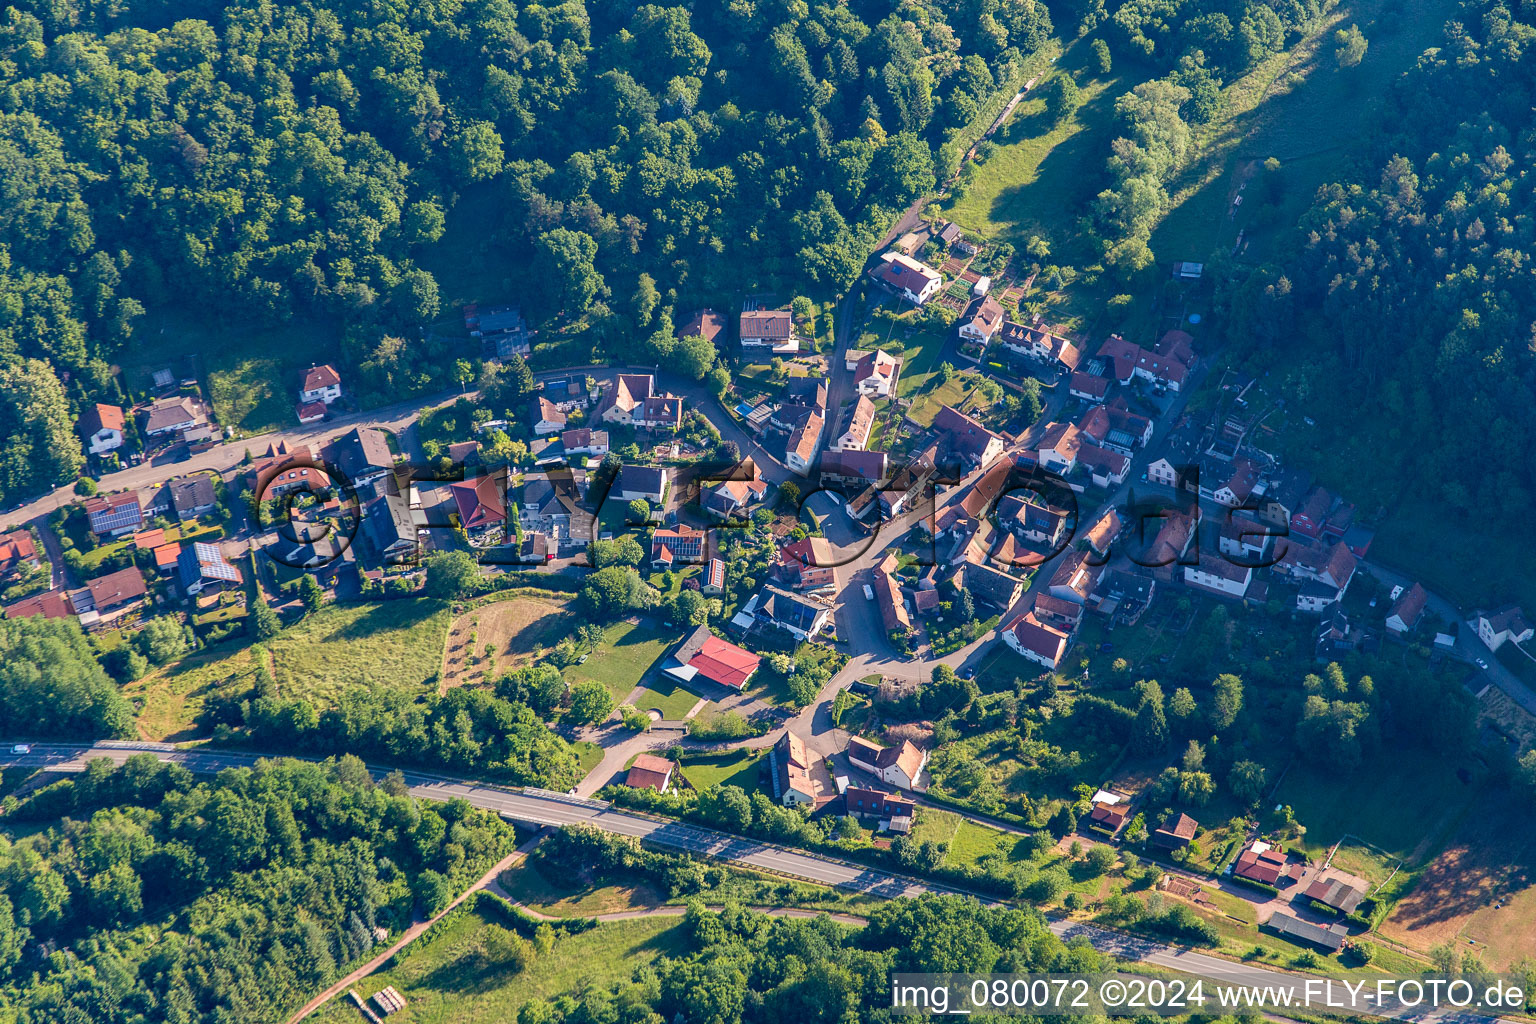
160,897
1407,322
270,161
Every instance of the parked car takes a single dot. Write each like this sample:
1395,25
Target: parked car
1482,663
869,592
22,748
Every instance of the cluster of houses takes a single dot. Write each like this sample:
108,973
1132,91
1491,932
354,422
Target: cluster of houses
798,777
162,422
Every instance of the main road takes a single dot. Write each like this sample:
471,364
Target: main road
540,808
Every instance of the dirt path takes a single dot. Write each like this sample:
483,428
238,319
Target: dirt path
677,911
487,881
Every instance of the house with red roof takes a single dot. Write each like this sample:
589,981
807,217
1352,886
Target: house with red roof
911,279
50,604
321,384
1041,643
705,656
102,426
1407,609
480,503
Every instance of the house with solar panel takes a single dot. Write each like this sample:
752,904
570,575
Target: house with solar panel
203,569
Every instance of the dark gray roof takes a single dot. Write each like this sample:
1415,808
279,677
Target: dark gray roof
387,521
363,452
1330,937
192,493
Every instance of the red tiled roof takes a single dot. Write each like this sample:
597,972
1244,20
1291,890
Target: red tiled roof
317,377
725,663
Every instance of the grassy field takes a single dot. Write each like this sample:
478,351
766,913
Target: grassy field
1481,889
397,644
1303,109
251,392
671,698
731,768
445,979
960,392
520,629
1042,176
1406,806
525,884
622,659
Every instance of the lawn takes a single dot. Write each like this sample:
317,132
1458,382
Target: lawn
972,842
397,644
251,373
628,650
1302,108
731,768
446,979
1041,177
1404,805
526,884
671,698
960,392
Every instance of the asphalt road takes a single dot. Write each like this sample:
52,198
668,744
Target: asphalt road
554,809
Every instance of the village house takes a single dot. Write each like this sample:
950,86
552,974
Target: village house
798,616
989,585
766,333
1102,534
986,318
1244,540
1407,609
854,468
702,655
1030,516
1167,365
547,417
362,454
169,415
634,401
103,427
912,280
1087,386
800,448
1175,832
502,330
897,766
193,496
896,812
481,503
203,568
728,498
648,483
308,413
650,772
389,527
702,323
1075,578
584,441
1038,343
321,384
1171,466
1262,862
283,469
790,769
17,550
712,582
1279,495
1105,466
888,598
1030,638
109,597
1496,628
874,373
853,429
50,604
1064,615
805,565
678,545
962,436
1058,447
1109,816
1123,595
112,515
1218,576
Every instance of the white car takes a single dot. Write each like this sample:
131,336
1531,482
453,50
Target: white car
22,748
869,592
